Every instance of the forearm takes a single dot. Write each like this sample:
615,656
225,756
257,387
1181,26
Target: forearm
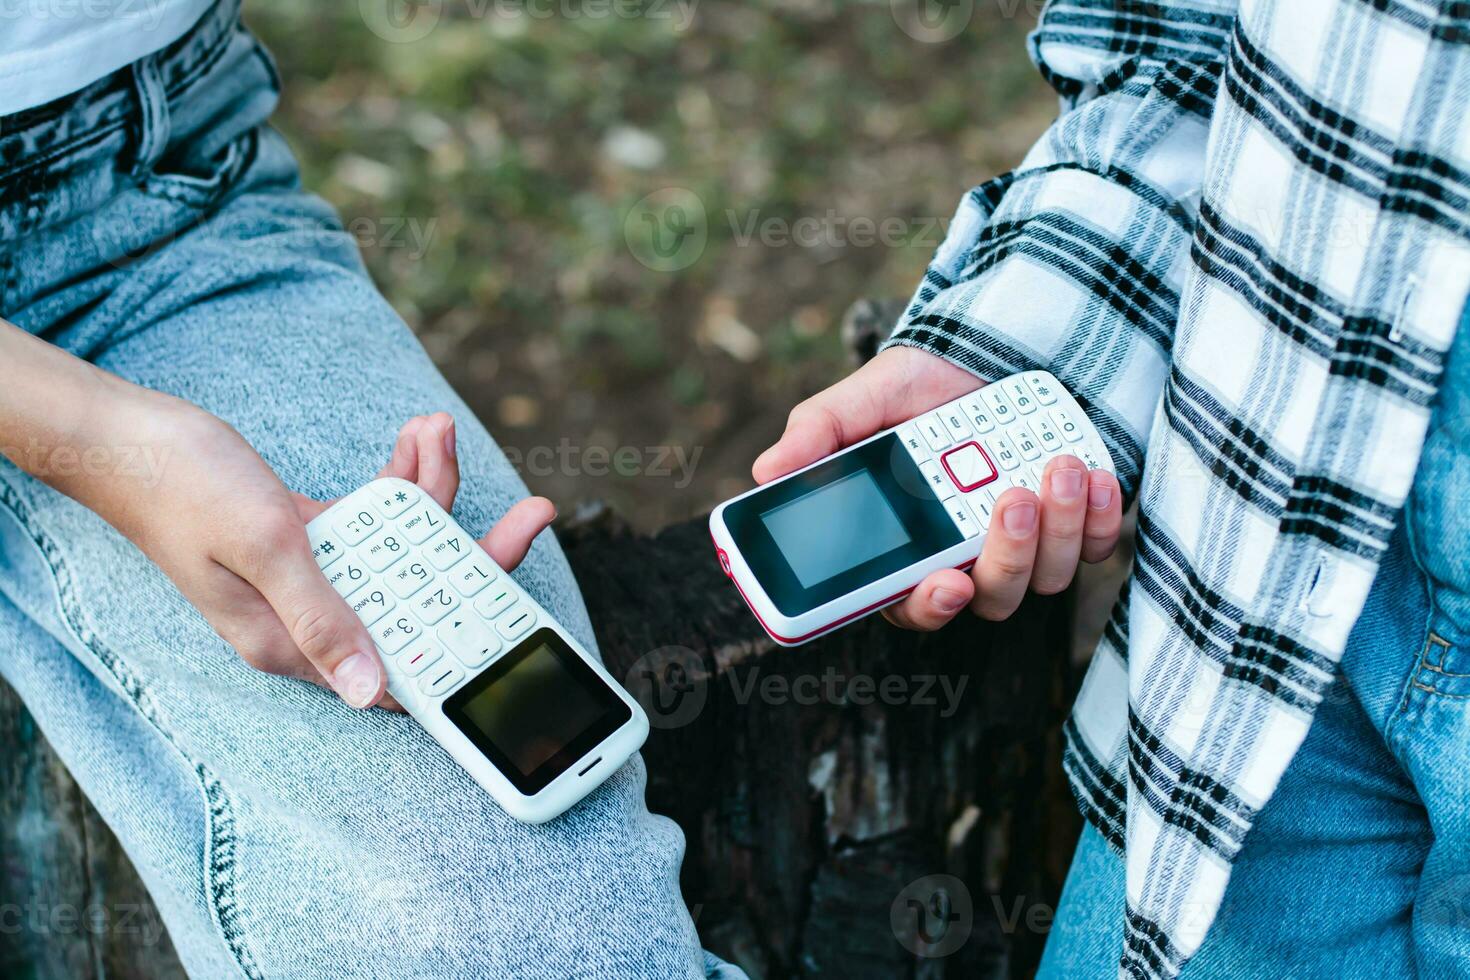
67,422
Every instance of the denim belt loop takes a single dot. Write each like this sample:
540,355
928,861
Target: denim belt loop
153,119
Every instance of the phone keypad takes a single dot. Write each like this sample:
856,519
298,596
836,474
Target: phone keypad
976,447
438,609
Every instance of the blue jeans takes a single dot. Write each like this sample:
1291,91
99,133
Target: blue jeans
1359,865
155,226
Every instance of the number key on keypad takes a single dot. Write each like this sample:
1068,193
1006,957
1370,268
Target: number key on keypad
371,604
435,604
469,577
348,577
407,579
999,406
1021,396
1025,443
1045,434
1071,431
383,552
1005,453
394,633
979,413
355,527
421,524
935,431
445,551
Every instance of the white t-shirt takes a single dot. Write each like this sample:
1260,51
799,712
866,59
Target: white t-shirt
50,48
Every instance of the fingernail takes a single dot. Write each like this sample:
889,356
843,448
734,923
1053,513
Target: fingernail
948,600
1020,519
1066,484
356,680
1100,497
449,440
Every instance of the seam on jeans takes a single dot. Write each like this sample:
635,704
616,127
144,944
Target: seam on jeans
106,126
1445,646
220,840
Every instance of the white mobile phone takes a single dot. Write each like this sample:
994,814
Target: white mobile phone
508,692
860,529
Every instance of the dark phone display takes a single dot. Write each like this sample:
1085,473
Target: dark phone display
841,525
537,710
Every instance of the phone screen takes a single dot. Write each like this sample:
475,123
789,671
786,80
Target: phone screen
840,525
835,528
537,710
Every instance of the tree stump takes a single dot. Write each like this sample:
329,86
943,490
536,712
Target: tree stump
814,785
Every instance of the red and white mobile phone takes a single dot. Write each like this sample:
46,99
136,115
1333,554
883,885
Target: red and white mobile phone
860,529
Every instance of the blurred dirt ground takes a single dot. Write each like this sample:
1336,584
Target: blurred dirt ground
791,156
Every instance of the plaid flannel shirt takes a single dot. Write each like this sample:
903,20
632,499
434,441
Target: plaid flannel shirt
1244,246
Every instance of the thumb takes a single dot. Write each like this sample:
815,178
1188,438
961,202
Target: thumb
830,420
322,626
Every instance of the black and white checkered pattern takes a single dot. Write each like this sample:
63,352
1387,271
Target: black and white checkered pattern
1245,246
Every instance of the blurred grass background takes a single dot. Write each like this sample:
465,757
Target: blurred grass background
492,170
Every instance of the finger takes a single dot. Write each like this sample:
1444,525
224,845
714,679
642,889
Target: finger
438,471
1063,514
1104,516
242,617
511,537
319,621
891,388
1004,569
404,461
850,410
934,603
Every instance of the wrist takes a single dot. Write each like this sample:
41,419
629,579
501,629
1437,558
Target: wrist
110,444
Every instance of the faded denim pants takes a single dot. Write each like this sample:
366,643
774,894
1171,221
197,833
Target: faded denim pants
154,225
1359,864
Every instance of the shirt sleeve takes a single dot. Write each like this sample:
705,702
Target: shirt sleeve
1074,262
